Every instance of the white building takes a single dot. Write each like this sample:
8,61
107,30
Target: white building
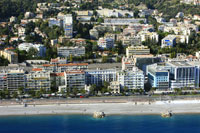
145,35
74,51
67,24
39,47
133,79
105,43
168,41
114,12
37,79
98,76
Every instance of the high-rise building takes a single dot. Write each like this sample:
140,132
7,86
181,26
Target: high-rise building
98,76
75,79
158,77
37,79
132,79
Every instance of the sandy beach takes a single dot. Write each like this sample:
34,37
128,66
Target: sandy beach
125,108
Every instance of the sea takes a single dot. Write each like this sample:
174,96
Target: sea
109,124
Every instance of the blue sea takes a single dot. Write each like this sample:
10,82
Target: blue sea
109,124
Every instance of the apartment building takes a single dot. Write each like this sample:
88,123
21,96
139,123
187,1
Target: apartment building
137,50
15,80
39,47
37,79
105,43
74,51
168,41
75,79
158,77
99,76
11,56
58,68
132,79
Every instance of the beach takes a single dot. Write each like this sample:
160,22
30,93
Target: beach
109,108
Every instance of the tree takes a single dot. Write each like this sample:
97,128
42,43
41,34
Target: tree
32,52
15,95
74,91
21,90
104,59
125,89
100,20
92,89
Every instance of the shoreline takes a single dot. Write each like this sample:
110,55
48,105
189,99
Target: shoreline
128,108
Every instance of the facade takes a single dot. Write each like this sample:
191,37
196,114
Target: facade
39,47
131,40
115,87
75,79
15,80
168,41
67,51
158,77
106,43
3,80
36,80
122,21
11,56
133,79
117,13
145,35
137,50
68,25
98,77
56,22
182,74
175,74
58,68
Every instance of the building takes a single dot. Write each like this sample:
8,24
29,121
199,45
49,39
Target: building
58,80
15,80
146,35
133,79
74,51
58,68
94,34
106,43
75,79
99,76
158,77
39,47
37,80
122,21
168,41
137,50
64,21
11,56
58,60
140,61
114,13
182,74
131,40
55,22
3,80
67,24
114,87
